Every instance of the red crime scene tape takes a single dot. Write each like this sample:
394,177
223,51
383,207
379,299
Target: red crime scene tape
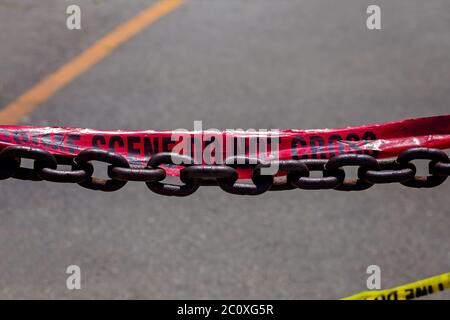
378,140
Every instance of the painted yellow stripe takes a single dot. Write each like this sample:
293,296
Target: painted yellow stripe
54,82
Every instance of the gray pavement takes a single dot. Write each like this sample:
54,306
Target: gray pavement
233,64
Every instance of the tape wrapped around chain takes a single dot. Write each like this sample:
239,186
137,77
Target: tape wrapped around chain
224,158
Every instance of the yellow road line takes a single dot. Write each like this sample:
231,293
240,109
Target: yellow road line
51,84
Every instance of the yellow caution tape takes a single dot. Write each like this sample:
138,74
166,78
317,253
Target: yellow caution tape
408,291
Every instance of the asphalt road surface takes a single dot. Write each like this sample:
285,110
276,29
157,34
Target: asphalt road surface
232,64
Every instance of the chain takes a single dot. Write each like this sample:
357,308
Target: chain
295,173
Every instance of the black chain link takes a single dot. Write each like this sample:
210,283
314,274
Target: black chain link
260,185
363,162
11,158
294,173
83,160
390,171
329,180
435,156
293,169
169,189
